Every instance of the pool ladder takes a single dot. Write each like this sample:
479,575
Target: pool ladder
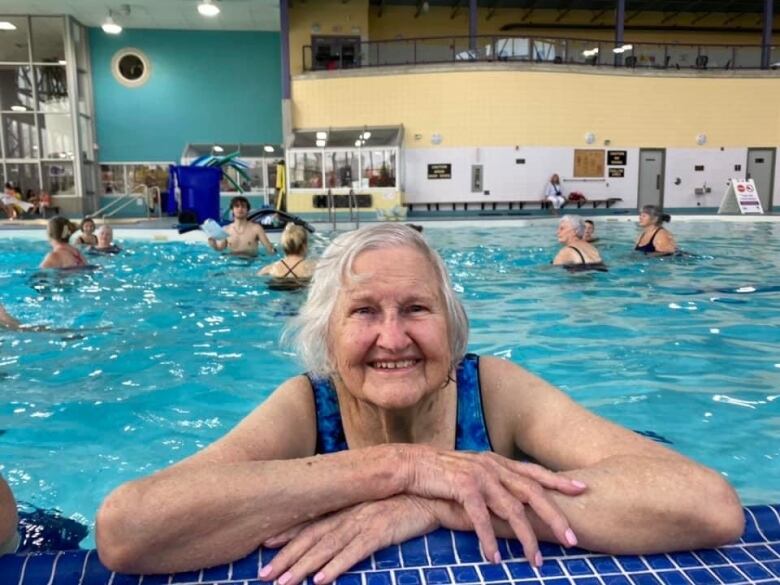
148,196
354,214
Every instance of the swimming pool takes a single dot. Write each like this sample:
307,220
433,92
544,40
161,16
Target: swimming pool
683,347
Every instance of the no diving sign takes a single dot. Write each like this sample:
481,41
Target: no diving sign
741,197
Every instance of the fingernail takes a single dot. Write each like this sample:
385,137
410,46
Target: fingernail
497,557
319,577
284,578
578,484
265,571
571,538
538,559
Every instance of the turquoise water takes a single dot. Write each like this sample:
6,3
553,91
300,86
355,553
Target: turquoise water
684,347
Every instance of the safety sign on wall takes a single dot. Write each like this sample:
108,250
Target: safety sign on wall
741,197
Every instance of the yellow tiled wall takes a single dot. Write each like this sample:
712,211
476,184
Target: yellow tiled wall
510,107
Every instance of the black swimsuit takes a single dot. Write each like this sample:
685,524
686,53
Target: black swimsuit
290,280
649,247
585,266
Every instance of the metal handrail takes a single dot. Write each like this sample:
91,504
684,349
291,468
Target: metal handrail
549,49
139,192
354,212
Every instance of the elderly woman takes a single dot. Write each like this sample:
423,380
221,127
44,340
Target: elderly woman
577,254
394,431
294,266
655,239
105,241
62,254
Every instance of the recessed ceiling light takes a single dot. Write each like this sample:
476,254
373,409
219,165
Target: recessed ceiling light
322,135
217,148
18,109
320,143
5,25
62,62
208,8
268,148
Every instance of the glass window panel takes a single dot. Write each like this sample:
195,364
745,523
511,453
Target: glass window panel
149,175
48,39
112,179
306,171
226,186
83,82
341,169
56,136
16,87
255,171
85,138
379,167
14,46
25,175
52,88
80,39
20,136
58,178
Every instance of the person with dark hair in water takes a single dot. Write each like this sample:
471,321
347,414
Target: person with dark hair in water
87,237
655,239
590,231
62,254
243,235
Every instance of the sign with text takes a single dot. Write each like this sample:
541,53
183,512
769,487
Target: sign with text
617,172
440,171
617,157
741,197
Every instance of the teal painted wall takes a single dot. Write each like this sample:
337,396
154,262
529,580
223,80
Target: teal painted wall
205,87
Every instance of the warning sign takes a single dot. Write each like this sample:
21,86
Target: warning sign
741,197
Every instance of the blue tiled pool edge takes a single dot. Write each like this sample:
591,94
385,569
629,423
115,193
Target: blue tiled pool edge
453,558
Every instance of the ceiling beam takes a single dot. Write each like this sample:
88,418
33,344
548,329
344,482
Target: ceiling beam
455,10
631,17
491,10
669,17
418,12
530,11
381,8
733,17
598,15
562,14
701,17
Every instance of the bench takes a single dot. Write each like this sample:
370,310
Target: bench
505,205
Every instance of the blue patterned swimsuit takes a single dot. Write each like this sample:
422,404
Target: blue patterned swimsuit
470,435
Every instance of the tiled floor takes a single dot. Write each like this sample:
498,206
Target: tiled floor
453,558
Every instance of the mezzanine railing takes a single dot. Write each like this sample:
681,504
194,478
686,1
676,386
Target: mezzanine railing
570,51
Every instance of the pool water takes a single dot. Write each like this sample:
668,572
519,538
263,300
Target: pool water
175,344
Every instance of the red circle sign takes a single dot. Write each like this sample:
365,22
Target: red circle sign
740,187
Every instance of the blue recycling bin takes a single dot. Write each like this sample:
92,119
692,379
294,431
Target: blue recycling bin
199,187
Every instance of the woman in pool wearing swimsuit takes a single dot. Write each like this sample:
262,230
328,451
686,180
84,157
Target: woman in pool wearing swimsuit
576,254
294,267
395,431
62,254
654,239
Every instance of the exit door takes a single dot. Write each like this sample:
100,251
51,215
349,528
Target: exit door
761,168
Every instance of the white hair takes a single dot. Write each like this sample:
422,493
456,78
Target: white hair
576,223
309,332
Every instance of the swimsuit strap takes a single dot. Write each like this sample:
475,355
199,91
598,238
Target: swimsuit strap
471,432
580,254
289,269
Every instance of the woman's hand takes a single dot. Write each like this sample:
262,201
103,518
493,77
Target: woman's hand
485,484
332,544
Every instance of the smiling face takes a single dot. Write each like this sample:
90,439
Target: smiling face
388,334
88,227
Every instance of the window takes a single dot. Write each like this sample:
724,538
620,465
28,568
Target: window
306,170
341,169
379,167
131,67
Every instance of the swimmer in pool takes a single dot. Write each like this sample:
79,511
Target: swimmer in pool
105,241
62,254
87,236
294,266
243,235
576,254
590,231
396,431
655,239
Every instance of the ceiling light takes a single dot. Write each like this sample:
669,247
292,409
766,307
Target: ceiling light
618,50
322,135
5,25
320,143
208,8
18,109
365,135
268,148
357,143
217,148
110,27
628,47
62,62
